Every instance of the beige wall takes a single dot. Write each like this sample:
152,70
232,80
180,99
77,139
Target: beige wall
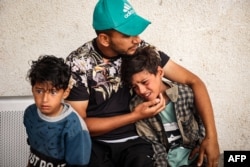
209,37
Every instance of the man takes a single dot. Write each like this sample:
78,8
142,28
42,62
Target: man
103,101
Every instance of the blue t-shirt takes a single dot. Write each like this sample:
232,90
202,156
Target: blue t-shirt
177,155
59,140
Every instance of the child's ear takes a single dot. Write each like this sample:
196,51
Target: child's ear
160,71
66,93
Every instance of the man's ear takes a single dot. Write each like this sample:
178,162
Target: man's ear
104,39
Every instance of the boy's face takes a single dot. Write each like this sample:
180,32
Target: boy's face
48,99
147,85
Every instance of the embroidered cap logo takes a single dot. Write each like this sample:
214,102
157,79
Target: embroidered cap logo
128,10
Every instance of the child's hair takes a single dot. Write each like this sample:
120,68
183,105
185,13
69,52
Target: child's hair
50,69
145,58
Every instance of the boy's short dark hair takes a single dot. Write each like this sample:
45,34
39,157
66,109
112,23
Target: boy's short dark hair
145,58
51,69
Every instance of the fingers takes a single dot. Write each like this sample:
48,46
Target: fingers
154,102
158,104
149,108
213,162
209,162
194,152
200,158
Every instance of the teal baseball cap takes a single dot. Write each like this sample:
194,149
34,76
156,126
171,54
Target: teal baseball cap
118,15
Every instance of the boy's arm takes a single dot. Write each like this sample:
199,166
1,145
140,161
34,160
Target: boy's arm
77,145
209,146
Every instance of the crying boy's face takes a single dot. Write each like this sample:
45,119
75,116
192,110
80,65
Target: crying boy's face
147,85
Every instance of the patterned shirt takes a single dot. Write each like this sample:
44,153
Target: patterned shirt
189,122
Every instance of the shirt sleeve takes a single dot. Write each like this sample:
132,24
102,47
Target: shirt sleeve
164,58
78,143
79,91
78,149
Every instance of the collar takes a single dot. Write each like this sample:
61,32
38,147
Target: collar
172,92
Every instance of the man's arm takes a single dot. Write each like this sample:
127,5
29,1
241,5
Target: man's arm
209,146
98,126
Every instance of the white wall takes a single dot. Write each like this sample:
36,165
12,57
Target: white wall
209,37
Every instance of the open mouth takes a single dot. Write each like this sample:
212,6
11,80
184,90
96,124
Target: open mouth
146,96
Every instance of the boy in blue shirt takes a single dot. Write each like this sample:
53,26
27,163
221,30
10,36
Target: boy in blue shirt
57,135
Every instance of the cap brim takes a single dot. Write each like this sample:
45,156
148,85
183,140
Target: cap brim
135,26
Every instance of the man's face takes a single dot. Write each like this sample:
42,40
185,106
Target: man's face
123,44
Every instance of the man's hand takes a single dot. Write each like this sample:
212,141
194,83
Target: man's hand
149,108
210,149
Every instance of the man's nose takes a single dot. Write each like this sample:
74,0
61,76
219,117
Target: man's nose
136,39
